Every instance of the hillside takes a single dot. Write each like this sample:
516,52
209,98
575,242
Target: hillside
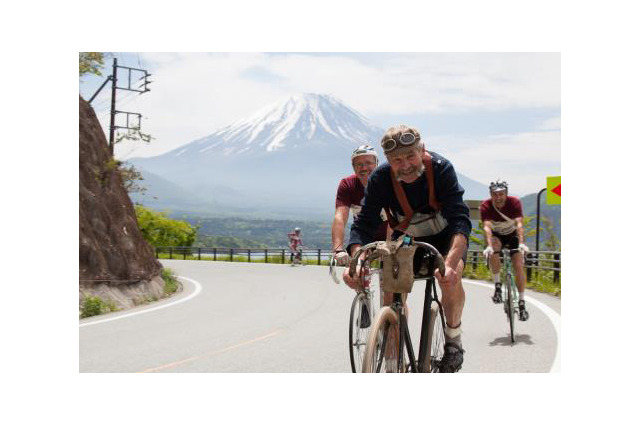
116,263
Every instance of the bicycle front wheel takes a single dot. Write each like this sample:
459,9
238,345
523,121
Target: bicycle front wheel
359,327
510,308
382,352
435,340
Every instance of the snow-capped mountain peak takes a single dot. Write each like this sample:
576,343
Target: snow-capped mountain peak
291,123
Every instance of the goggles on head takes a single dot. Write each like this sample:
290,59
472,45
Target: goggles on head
405,140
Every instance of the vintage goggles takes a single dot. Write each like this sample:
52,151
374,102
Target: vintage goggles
405,139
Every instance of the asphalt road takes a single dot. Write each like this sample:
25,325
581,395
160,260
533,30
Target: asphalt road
240,317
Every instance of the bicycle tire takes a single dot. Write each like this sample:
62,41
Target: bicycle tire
510,310
435,339
358,335
381,336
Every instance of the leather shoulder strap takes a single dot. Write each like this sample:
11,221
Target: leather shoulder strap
431,186
404,203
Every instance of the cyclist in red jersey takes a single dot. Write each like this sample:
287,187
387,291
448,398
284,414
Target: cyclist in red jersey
349,196
503,226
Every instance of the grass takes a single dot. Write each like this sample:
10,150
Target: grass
93,305
170,282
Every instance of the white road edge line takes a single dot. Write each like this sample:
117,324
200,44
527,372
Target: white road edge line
553,316
155,308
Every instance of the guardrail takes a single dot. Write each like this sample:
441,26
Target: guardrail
536,260
268,255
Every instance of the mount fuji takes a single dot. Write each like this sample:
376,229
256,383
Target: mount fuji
284,161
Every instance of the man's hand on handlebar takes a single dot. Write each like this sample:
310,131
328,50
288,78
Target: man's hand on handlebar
450,277
341,257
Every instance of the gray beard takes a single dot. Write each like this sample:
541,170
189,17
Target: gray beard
417,173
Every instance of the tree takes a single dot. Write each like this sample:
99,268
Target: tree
91,63
159,230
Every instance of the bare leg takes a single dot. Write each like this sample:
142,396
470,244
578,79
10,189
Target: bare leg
453,298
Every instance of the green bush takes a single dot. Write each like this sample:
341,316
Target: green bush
170,281
93,305
159,230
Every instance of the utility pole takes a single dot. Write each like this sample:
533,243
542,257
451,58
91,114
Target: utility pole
114,86
142,88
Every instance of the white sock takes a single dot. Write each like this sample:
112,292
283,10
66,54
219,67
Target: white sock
496,278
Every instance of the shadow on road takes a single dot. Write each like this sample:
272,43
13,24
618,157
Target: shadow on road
506,341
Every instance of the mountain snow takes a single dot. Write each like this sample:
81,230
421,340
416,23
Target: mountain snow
288,124
287,159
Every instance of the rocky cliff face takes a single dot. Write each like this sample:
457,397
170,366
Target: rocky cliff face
116,263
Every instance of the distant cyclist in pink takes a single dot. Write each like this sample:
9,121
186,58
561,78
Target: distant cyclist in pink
364,160
295,241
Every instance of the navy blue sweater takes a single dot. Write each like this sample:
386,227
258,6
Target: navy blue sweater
379,194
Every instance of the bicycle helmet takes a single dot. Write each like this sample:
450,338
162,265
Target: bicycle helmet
297,229
499,185
364,150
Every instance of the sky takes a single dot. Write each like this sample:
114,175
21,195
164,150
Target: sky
494,115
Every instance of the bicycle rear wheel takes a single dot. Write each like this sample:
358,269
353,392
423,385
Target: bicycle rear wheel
382,350
510,307
359,327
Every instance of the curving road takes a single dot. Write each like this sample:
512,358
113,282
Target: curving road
239,317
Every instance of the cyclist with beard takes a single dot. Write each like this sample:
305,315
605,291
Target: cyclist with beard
420,193
350,194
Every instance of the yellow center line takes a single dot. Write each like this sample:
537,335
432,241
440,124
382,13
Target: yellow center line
219,351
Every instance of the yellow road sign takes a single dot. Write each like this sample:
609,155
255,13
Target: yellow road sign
553,189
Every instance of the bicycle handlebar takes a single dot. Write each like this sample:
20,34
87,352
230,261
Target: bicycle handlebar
380,250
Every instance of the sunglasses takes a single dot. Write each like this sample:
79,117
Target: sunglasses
405,139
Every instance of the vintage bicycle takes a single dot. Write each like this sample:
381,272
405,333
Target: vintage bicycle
389,347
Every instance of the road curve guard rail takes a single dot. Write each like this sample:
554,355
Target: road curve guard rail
534,261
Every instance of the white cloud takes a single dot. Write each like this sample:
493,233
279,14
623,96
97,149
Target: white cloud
523,160
194,94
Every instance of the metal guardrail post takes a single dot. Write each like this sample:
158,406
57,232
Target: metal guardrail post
249,254
475,260
283,256
215,254
266,258
230,255
199,252
556,273
170,252
319,257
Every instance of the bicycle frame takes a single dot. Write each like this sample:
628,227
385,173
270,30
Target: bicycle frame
431,294
508,270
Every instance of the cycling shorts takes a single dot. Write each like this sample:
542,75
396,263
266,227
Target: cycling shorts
442,242
509,241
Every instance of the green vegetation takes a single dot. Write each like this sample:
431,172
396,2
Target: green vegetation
93,305
170,281
235,232
159,230
91,63
541,280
